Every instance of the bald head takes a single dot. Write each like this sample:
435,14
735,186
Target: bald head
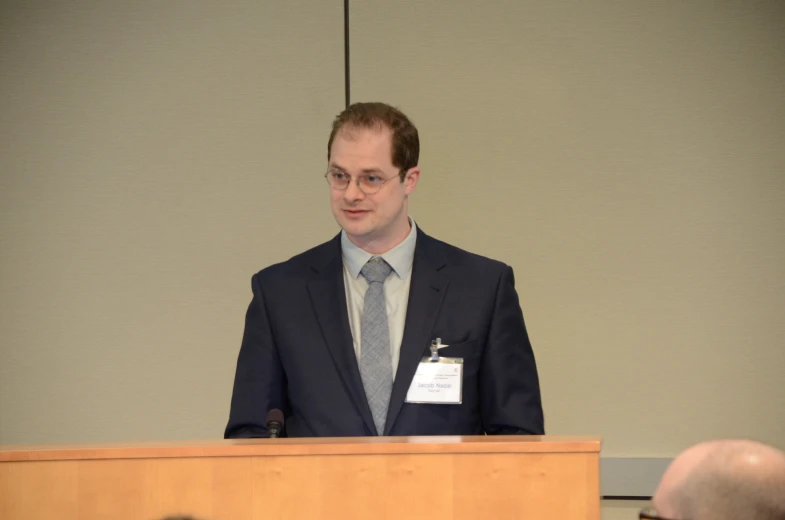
724,480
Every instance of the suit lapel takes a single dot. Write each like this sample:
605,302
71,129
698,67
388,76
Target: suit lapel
426,293
328,297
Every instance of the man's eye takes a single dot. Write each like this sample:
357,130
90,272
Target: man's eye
373,179
338,176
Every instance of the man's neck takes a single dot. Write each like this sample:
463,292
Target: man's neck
382,245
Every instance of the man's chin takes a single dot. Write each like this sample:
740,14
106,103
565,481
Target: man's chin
356,229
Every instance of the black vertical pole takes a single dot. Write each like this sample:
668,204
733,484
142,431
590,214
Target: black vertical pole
346,79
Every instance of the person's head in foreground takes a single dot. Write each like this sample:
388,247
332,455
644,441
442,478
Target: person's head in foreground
722,480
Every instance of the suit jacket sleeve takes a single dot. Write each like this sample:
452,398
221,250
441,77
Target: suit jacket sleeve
260,383
510,389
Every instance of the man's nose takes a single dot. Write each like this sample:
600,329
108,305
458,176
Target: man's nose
353,192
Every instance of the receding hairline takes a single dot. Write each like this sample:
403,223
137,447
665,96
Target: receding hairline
405,142
350,133
351,129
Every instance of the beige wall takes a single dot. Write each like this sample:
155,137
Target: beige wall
625,158
154,156
622,509
628,160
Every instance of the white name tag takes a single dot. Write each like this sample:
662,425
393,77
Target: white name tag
437,382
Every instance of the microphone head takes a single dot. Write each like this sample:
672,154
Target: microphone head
275,415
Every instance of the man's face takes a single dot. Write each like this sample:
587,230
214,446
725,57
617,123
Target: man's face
377,220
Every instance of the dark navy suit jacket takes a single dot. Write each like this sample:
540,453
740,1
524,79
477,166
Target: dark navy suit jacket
297,353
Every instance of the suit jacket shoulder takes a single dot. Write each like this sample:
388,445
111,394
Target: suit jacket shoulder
303,263
460,258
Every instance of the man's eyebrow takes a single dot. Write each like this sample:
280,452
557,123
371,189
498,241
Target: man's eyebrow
334,166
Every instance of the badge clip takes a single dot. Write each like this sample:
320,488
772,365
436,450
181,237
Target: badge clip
436,344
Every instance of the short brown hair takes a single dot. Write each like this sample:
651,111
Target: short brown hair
405,140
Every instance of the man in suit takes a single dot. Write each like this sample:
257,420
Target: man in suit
335,336
722,480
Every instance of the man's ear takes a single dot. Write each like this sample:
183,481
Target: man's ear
410,180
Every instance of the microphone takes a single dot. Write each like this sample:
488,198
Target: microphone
275,422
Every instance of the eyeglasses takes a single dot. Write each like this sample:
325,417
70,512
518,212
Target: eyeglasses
368,183
650,513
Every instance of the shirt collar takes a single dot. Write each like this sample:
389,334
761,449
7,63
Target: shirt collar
400,258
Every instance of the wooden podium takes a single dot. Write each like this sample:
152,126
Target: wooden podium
407,478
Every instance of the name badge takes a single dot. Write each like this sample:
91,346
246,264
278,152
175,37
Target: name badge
437,382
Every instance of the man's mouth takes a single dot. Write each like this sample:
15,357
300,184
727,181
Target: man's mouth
355,214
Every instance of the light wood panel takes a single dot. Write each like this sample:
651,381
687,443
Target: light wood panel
449,478
320,446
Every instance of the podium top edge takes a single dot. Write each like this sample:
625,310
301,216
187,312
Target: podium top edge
534,444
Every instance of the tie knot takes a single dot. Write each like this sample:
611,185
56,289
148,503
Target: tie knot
376,270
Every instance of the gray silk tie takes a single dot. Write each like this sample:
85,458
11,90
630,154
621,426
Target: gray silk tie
375,359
